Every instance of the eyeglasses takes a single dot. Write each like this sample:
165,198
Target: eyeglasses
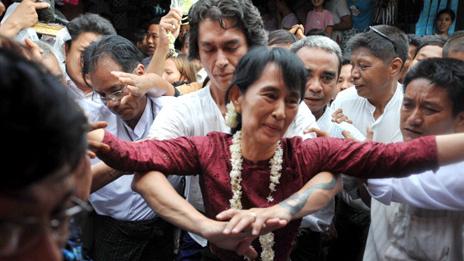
384,36
113,97
16,235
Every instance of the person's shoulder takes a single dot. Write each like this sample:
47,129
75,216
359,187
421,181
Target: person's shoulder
93,109
185,103
218,138
163,100
347,95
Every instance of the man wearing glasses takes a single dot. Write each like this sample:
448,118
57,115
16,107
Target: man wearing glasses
49,138
377,57
125,227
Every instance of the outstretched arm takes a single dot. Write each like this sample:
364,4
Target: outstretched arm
164,199
314,195
431,190
378,160
450,148
180,155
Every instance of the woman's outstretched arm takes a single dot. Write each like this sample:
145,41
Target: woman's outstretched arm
164,199
180,155
313,196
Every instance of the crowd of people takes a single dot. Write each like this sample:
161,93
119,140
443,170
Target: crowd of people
236,131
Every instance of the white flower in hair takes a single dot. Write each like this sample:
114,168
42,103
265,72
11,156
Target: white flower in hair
231,115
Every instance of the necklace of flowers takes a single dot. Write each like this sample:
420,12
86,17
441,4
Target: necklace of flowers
267,240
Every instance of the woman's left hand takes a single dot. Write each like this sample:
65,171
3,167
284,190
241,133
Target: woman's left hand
260,220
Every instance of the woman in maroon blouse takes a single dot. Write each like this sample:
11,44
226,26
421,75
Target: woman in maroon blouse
276,180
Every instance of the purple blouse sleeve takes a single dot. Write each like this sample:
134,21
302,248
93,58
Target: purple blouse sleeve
370,159
178,155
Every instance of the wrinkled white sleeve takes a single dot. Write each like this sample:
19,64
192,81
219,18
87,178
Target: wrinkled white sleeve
170,123
443,189
304,120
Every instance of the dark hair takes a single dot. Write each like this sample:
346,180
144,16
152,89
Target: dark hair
252,65
431,40
281,36
385,49
42,126
89,23
414,40
242,12
118,48
153,20
454,43
445,73
446,11
345,60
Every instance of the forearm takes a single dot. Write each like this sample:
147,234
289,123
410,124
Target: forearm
158,60
316,194
160,87
102,175
165,201
441,189
148,155
450,148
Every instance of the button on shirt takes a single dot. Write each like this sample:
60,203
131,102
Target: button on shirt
197,114
117,199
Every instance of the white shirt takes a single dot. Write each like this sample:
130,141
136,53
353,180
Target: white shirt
76,93
197,114
117,199
440,190
386,128
321,220
334,129
338,8
429,222
349,193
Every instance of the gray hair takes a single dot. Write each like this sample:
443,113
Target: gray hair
321,42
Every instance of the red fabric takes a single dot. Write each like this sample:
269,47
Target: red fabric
71,2
209,156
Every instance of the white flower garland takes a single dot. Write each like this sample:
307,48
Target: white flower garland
267,240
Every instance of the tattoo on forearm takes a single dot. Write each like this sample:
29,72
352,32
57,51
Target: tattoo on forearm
298,200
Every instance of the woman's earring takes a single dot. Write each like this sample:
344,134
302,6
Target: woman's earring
231,115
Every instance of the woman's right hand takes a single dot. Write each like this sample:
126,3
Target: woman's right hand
259,220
